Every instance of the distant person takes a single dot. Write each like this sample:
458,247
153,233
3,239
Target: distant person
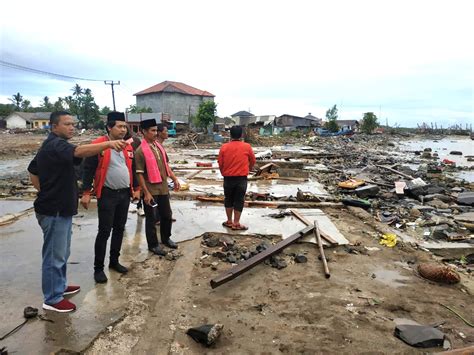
52,174
112,174
236,159
135,144
162,135
153,172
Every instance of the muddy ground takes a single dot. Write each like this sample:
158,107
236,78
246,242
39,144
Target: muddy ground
292,310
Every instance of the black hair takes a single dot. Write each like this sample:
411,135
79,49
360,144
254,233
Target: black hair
235,132
56,115
111,124
161,127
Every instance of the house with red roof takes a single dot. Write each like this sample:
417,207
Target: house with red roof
180,101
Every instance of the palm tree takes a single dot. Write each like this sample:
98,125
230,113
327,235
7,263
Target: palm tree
77,90
16,100
26,105
59,105
47,105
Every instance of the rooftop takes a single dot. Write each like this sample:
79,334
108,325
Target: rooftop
174,86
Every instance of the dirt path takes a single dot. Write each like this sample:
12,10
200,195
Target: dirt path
293,310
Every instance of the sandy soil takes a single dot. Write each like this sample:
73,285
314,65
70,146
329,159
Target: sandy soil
18,145
289,311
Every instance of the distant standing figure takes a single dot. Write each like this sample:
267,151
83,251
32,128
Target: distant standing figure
52,174
236,159
135,144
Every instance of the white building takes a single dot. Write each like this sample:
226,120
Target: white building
19,120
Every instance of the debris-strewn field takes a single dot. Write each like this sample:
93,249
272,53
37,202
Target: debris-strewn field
290,310
395,210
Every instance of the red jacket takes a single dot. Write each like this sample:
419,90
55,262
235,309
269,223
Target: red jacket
236,158
96,167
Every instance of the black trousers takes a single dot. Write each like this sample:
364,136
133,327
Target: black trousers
112,208
235,188
164,213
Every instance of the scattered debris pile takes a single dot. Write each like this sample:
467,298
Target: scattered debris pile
225,248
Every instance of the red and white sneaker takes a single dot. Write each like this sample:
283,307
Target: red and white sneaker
70,290
62,307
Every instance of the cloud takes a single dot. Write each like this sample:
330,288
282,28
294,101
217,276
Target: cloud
273,56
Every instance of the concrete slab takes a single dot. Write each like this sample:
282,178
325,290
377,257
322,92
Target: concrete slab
324,223
20,277
195,218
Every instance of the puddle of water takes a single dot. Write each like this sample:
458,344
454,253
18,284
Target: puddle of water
390,278
443,147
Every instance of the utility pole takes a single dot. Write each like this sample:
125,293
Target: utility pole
112,83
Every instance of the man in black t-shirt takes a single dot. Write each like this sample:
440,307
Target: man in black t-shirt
52,174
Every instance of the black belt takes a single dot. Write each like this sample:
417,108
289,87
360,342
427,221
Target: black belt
117,190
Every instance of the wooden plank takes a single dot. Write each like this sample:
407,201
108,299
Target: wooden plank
194,174
308,223
195,168
248,264
395,171
321,249
265,169
276,204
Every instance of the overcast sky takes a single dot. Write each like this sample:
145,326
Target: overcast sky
407,61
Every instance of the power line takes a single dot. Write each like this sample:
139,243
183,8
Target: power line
42,72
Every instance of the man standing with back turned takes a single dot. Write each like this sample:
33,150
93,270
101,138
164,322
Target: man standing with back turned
115,182
236,159
52,174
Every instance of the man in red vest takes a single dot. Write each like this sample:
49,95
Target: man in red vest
153,172
112,175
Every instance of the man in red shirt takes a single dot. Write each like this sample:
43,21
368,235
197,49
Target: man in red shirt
236,159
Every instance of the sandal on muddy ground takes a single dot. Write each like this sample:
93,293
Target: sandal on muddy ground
239,227
227,224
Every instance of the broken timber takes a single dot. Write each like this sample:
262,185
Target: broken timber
321,249
195,168
308,223
267,168
190,176
248,264
275,204
395,171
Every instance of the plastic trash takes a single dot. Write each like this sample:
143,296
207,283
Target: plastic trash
389,240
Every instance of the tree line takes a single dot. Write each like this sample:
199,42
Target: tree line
80,103
368,125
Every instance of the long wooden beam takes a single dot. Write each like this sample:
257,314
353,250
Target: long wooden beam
395,171
248,264
276,204
321,249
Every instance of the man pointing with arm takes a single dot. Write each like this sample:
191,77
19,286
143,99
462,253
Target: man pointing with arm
113,176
